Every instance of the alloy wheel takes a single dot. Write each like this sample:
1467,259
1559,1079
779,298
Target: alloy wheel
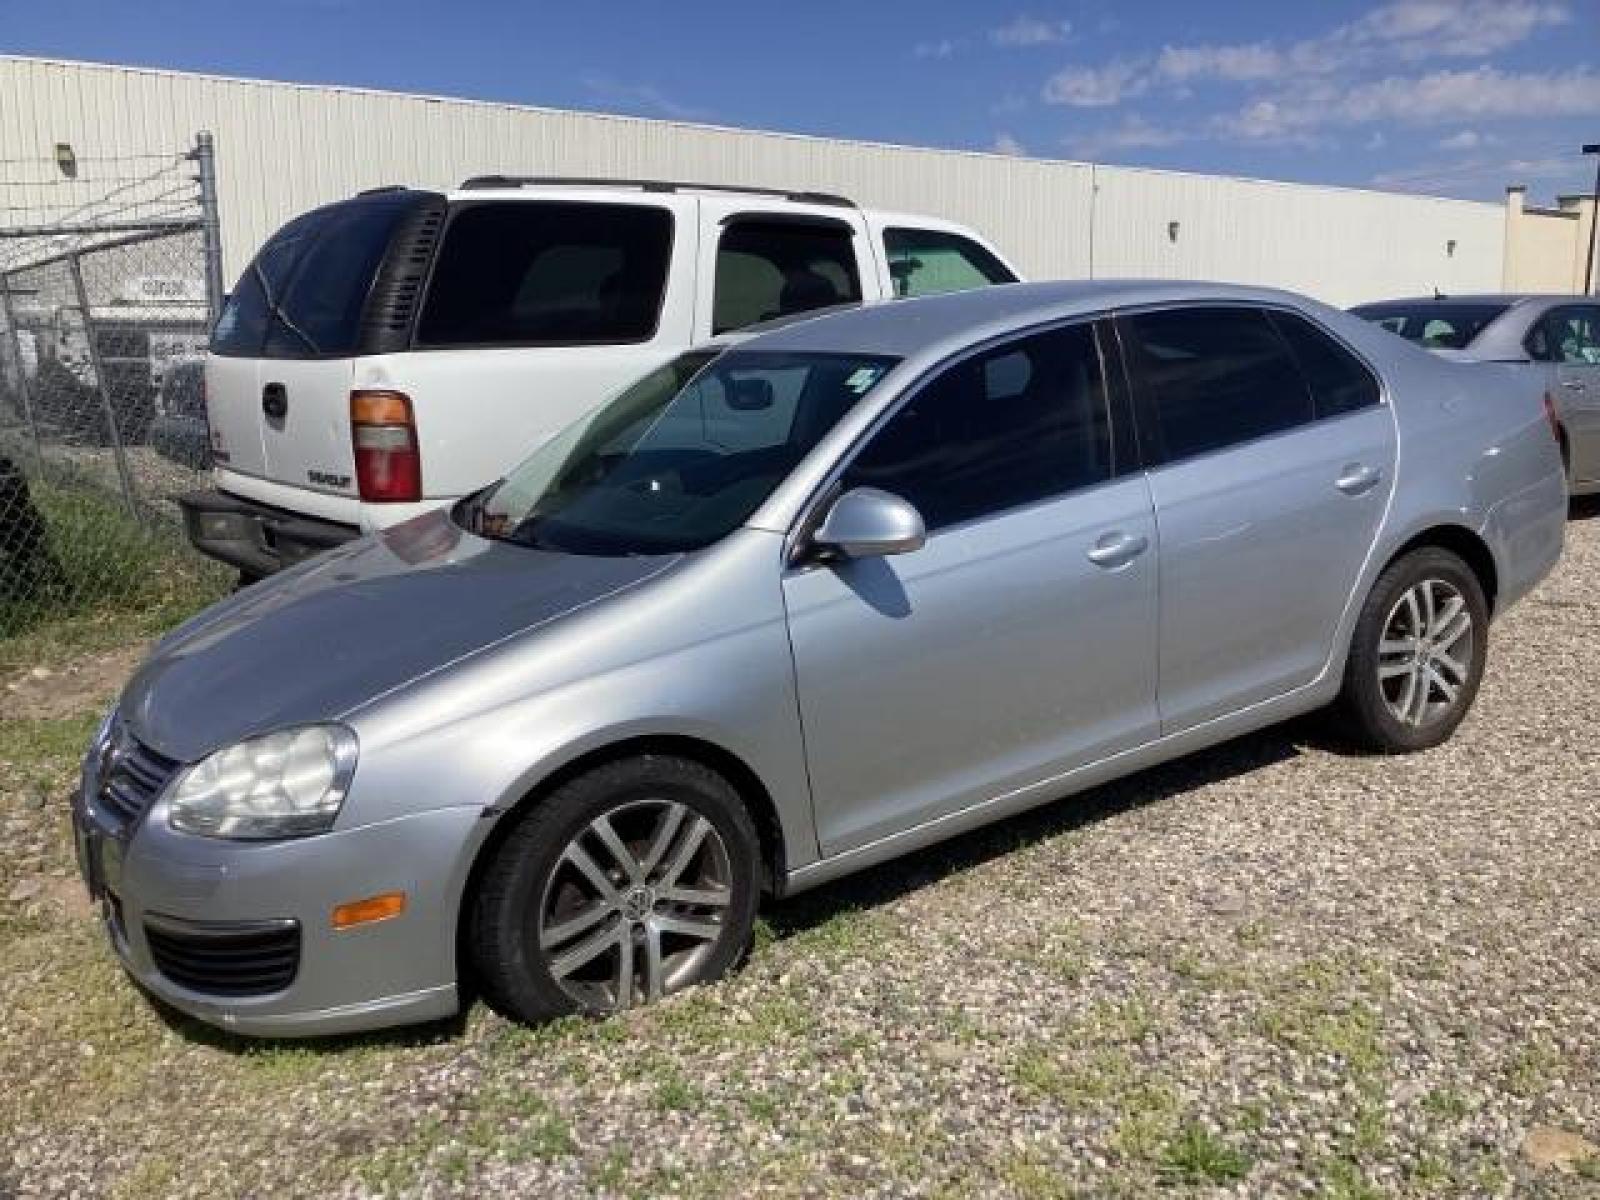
1425,655
635,905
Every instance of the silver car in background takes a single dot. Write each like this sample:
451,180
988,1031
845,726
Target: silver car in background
781,612
1556,337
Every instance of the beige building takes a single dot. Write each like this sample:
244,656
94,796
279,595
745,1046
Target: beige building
1546,248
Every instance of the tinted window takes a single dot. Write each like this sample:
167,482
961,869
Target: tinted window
1016,424
527,273
678,460
1446,325
242,327
770,269
303,294
319,307
1214,377
1568,335
926,262
1339,382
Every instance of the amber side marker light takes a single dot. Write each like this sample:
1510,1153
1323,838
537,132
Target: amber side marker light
365,912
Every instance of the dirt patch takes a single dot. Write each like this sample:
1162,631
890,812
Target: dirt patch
45,693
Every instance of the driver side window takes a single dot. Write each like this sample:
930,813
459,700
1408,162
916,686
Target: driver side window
1016,424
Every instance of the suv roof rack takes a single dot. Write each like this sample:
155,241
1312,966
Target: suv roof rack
479,182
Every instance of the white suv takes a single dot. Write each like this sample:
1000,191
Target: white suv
392,352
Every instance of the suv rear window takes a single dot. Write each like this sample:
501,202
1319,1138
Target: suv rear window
302,296
536,273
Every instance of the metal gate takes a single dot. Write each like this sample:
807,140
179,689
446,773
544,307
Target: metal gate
109,281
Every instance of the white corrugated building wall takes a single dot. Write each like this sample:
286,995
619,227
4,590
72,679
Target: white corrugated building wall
283,148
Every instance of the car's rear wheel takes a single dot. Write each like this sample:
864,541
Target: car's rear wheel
1417,655
626,884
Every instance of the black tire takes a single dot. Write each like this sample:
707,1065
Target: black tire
1363,710
245,579
510,968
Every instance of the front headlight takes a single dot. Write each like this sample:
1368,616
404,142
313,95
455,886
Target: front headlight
285,784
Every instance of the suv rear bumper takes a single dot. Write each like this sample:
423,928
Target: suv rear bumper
256,538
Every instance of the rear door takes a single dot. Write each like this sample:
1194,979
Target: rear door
282,356
765,261
1271,458
312,339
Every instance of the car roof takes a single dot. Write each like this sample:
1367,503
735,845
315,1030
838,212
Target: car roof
1507,298
937,324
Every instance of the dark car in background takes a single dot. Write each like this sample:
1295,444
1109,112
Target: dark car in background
178,431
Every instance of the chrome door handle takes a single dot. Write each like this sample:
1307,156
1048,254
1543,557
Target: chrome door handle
1573,385
1115,549
1356,479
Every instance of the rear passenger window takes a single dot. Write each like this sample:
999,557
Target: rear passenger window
928,262
1338,380
242,327
1213,377
768,269
535,273
1016,424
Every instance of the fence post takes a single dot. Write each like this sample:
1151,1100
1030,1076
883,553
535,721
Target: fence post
103,385
10,314
205,157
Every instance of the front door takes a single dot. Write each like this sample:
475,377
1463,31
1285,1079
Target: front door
1018,642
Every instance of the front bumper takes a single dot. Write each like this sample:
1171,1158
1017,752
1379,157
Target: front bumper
256,538
157,889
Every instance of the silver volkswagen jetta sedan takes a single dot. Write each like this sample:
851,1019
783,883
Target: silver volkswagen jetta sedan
778,613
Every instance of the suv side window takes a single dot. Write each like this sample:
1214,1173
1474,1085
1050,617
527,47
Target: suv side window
771,268
1339,381
547,273
1212,377
927,262
1569,335
1015,424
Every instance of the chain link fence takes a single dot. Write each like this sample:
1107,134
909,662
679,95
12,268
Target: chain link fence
106,296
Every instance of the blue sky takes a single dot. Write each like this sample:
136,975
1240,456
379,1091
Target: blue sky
1451,97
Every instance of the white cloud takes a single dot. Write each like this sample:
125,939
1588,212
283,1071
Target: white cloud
1467,139
1417,29
1030,31
1248,63
943,48
1134,133
1096,87
1004,143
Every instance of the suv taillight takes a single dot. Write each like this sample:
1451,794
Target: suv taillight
384,433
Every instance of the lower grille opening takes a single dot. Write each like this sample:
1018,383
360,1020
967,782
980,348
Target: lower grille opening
234,959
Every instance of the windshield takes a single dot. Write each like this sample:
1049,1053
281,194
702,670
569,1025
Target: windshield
1434,325
677,461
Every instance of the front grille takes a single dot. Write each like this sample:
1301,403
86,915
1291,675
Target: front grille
251,959
131,777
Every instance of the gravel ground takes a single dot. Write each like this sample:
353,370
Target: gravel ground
1273,969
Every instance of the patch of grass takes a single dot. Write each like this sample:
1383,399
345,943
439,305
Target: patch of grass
1531,1067
1148,1121
674,1093
45,747
1446,1103
1341,1179
1034,1179
103,564
1198,1156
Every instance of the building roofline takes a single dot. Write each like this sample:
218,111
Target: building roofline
711,127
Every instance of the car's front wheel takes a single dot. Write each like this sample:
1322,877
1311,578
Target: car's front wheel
1417,654
624,885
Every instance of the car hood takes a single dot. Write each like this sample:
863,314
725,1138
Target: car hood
329,636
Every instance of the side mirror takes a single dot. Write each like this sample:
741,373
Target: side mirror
868,523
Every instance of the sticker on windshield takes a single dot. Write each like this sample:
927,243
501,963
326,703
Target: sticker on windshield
863,378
